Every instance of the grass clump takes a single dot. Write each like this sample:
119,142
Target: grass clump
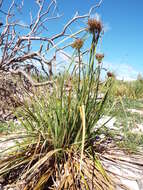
127,131
57,150
128,89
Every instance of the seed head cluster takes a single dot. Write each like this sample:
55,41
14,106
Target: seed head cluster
99,57
77,44
94,25
109,74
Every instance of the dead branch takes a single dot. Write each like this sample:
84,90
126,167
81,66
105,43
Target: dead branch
35,84
17,49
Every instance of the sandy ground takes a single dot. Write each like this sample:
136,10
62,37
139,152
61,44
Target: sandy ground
126,170
135,111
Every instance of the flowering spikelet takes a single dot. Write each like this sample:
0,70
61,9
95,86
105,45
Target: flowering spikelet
99,57
109,74
94,25
77,44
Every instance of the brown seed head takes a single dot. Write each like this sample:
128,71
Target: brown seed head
94,25
77,44
109,74
99,57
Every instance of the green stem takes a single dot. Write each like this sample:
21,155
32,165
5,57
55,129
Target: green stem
79,70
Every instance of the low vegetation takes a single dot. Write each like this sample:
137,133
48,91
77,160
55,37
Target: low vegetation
58,137
54,123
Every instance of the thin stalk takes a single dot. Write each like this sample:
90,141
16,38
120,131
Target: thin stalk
79,70
82,113
98,81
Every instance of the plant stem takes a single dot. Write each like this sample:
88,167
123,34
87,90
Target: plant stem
79,70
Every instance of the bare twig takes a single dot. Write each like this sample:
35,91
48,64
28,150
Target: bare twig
17,49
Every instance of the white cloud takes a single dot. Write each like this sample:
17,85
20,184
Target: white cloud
64,56
122,71
97,16
106,27
22,22
67,57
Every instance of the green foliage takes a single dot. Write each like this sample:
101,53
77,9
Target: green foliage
3,127
132,89
131,142
125,134
58,126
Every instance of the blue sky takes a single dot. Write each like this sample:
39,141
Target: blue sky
122,42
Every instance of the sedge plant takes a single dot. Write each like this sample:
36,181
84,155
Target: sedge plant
57,149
